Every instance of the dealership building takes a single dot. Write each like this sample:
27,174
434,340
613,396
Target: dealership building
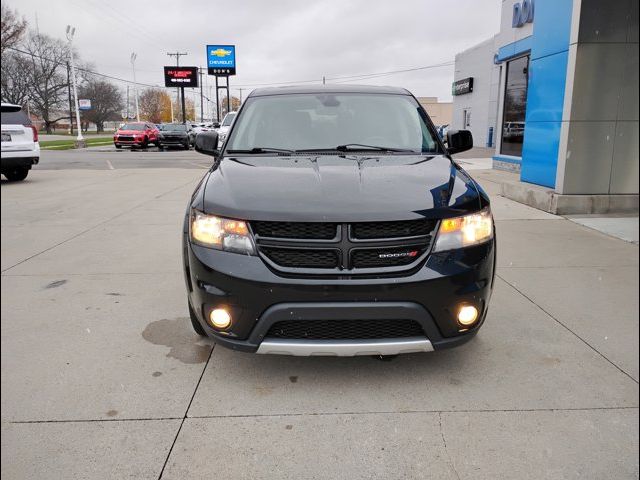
555,92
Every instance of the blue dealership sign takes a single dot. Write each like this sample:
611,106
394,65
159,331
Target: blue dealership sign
221,60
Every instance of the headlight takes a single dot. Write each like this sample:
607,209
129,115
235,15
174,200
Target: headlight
221,233
464,231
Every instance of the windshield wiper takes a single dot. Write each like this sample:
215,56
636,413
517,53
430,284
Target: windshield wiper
360,146
356,147
262,150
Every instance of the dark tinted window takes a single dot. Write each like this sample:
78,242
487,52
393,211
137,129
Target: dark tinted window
15,118
515,106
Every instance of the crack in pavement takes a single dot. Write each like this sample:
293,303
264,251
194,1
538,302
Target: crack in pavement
204,369
568,329
331,414
446,451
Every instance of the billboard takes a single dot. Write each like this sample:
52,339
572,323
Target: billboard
181,77
84,104
221,60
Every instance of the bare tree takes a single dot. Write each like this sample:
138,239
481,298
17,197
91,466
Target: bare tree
106,102
47,76
13,28
15,83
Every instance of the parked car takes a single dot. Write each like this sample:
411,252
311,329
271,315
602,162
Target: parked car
136,134
333,221
197,128
175,135
224,127
20,147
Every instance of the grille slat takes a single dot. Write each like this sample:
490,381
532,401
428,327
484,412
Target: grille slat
399,229
302,258
345,329
298,230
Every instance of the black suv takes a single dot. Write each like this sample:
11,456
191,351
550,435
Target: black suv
334,222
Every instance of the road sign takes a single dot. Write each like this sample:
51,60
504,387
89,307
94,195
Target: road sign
221,60
84,104
186,77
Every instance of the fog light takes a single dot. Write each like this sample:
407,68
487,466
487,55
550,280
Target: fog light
467,315
220,318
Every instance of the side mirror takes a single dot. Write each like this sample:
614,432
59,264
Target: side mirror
207,143
459,141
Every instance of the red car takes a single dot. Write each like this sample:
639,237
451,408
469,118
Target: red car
136,134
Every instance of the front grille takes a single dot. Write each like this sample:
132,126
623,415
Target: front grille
385,257
125,138
301,230
343,248
345,329
408,228
302,258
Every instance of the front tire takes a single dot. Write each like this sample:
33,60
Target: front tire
145,143
195,323
16,174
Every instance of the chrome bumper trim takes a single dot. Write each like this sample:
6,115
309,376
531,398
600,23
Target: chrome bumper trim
344,348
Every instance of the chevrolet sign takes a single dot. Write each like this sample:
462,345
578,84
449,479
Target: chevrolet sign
221,60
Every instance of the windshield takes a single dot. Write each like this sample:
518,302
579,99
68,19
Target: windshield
326,121
132,126
228,119
174,128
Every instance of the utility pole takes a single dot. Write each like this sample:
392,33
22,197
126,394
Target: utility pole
135,84
70,33
70,104
201,73
180,90
128,103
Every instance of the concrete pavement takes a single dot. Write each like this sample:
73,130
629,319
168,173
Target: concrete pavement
103,378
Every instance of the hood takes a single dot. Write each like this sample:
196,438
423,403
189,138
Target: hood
339,188
130,132
173,133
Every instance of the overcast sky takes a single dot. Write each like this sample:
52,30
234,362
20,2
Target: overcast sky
276,40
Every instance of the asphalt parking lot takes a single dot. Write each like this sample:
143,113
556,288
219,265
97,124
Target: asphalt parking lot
102,376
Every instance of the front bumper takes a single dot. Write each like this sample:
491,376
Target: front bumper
258,297
170,142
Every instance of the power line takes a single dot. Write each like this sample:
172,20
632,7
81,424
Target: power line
350,77
86,70
339,79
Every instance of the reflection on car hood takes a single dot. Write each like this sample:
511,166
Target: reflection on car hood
130,132
339,188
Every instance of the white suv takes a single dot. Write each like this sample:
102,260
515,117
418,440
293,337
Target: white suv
20,147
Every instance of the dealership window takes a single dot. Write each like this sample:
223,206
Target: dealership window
515,106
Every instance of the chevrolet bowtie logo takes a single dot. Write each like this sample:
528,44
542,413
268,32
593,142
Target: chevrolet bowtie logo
220,52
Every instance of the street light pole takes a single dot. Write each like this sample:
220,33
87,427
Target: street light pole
70,32
135,84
